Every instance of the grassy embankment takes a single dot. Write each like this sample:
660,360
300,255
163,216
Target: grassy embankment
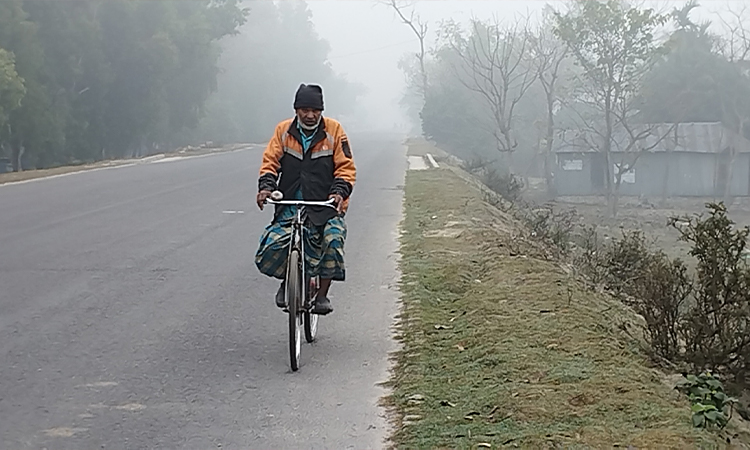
501,347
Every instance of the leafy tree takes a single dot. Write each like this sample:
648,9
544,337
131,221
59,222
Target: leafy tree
35,123
109,78
614,45
682,86
702,78
12,89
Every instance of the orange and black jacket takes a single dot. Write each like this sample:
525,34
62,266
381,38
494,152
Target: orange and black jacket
326,168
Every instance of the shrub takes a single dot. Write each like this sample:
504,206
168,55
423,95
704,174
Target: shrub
589,259
654,285
660,296
475,164
552,226
627,261
710,405
507,185
716,329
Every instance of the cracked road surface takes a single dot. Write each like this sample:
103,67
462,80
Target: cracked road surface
132,315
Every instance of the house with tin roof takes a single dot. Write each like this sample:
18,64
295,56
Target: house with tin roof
683,160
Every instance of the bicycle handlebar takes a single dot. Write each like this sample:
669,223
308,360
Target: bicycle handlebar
300,203
328,202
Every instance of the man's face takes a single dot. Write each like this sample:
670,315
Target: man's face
309,117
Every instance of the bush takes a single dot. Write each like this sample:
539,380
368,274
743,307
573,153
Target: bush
654,285
476,164
716,329
552,226
705,321
507,185
589,260
627,261
660,297
710,405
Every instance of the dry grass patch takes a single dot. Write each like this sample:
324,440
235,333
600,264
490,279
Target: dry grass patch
504,348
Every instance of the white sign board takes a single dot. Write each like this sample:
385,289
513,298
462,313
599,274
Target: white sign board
627,177
572,164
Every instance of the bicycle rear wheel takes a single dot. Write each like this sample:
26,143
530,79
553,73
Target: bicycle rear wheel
294,302
311,320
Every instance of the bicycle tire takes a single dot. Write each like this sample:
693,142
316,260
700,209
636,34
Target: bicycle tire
311,320
294,300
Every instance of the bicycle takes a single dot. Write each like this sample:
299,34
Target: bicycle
302,294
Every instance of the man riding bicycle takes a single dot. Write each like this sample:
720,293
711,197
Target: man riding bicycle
311,155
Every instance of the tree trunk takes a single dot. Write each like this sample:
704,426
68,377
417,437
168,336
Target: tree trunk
549,161
15,158
549,177
608,151
665,186
608,185
732,160
614,197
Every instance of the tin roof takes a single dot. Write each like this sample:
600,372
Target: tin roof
705,137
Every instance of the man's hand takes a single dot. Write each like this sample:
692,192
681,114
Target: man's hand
261,198
338,202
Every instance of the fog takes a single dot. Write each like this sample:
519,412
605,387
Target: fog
121,79
367,40
585,95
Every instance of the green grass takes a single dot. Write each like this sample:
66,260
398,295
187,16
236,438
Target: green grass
505,349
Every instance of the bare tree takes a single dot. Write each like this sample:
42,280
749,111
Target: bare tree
548,54
419,28
736,43
493,62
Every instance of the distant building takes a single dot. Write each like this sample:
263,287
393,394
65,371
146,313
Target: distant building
692,161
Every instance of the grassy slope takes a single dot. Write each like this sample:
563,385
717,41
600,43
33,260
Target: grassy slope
505,349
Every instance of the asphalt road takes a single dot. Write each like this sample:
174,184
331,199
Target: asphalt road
132,315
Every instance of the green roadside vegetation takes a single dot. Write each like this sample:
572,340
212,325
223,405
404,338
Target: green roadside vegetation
502,347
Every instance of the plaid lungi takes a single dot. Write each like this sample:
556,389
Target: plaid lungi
324,249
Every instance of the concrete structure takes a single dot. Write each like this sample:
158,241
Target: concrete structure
695,160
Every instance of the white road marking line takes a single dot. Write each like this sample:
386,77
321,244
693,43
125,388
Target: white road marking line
63,431
131,407
100,384
148,160
11,183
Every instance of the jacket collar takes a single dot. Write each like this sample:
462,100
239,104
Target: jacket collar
320,132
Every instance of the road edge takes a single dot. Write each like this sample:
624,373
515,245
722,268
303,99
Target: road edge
63,171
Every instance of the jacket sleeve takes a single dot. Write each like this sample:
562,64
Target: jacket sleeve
269,168
344,172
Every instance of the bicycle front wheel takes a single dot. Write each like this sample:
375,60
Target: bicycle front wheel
294,302
311,320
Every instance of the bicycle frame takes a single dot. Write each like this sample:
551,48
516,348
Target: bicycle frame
298,243
300,304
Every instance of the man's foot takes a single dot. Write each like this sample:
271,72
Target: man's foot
322,306
280,301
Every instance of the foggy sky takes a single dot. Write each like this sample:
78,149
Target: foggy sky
367,40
